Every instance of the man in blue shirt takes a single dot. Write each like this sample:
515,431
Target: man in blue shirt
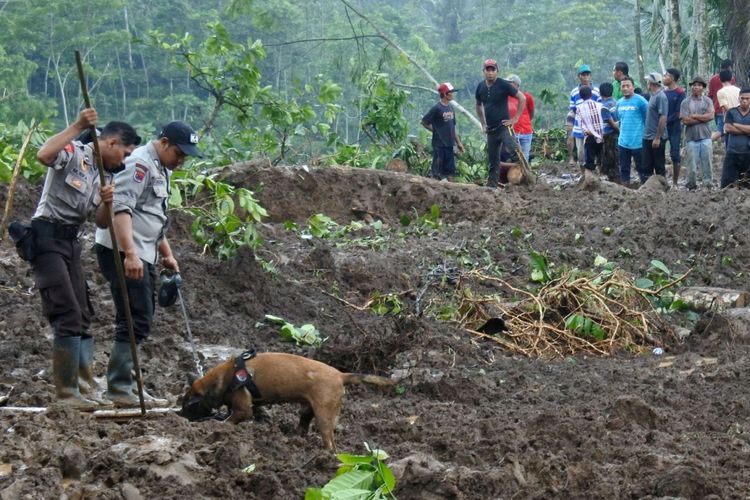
631,114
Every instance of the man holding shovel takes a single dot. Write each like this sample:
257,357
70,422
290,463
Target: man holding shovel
140,223
71,191
492,109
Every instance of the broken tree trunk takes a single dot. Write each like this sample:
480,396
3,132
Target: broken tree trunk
706,298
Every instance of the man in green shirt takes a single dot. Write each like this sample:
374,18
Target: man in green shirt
619,72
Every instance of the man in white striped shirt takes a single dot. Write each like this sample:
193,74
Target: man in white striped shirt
573,125
591,117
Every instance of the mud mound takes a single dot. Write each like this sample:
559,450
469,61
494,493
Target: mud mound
467,419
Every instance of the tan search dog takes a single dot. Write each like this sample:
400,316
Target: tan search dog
259,379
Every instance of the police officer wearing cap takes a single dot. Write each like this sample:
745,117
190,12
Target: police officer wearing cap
140,207
71,192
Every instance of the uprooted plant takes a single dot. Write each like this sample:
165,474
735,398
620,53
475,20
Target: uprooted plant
225,216
600,311
358,476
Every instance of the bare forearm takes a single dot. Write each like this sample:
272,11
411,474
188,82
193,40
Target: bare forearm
164,249
102,215
736,128
661,126
480,114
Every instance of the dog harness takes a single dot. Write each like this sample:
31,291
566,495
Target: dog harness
243,377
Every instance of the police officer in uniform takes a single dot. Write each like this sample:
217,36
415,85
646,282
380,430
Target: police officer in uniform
140,206
71,191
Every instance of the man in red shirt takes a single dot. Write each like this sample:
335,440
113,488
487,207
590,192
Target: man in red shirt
523,129
714,85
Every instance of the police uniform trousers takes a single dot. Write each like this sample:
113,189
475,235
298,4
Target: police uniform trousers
141,295
62,285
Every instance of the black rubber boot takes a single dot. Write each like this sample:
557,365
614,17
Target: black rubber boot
65,355
87,384
120,377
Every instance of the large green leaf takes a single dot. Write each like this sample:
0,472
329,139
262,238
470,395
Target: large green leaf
358,479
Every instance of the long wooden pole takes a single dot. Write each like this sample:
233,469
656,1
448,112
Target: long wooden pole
113,237
13,179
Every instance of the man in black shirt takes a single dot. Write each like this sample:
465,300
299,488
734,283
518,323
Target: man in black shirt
737,129
441,121
492,110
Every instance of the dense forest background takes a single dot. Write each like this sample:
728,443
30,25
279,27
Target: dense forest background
345,80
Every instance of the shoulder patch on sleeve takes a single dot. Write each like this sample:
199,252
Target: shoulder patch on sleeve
139,174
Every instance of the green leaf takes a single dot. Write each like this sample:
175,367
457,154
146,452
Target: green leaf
386,478
660,266
314,494
352,494
679,305
600,261
644,283
357,479
275,319
435,212
347,458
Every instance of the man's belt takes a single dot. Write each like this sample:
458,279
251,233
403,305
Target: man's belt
47,229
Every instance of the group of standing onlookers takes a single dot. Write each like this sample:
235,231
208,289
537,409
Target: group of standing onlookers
614,125
505,113
643,123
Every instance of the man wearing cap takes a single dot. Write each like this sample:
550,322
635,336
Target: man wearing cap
441,121
71,192
675,96
655,132
492,109
737,128
140,207
696,112
573,125
523,129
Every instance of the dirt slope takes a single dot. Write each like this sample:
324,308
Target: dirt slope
470,420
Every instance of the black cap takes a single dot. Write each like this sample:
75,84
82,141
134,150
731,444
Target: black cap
181,135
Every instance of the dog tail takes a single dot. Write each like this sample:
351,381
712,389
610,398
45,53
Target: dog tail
360,378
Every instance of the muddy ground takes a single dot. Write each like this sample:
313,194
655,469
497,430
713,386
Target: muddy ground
469,419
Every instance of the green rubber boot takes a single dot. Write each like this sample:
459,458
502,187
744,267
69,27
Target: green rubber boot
120,377
87,384
65,355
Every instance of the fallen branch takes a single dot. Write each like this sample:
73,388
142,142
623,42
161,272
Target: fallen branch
14,178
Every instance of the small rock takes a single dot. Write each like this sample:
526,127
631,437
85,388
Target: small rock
130,492
72,462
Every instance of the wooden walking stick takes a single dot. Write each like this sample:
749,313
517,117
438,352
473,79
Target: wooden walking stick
113,237
528,176
13,179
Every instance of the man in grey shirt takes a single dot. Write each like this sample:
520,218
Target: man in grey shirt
655,132
140,223
737,127
696,112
